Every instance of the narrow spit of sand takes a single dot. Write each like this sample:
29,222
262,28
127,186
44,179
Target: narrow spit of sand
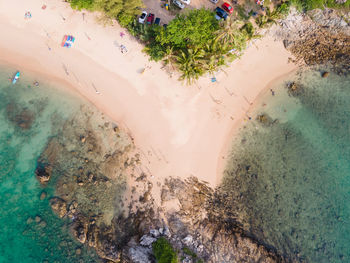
179,130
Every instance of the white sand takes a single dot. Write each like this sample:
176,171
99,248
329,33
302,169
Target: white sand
179,130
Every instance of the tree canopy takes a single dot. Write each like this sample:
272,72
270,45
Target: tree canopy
194,28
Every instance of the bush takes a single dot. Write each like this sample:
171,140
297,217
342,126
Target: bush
82,4
155,51
125,19
163,251
194,28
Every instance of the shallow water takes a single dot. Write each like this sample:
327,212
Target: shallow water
289,177
29,116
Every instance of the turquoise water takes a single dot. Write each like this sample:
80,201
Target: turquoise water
29,116
289,176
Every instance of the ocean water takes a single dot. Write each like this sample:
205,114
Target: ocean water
288,179
30,231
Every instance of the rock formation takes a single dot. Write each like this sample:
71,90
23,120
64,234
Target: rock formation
318,37
59,206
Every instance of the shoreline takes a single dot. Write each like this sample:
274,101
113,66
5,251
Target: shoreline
178,130
237,128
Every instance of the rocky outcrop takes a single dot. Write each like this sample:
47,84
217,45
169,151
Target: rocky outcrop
43,172
294,88
204,230
89,161
139,254
318,37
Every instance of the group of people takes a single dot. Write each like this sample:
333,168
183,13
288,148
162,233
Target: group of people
27,15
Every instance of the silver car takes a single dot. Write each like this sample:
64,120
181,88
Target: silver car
142,17
178,4
214,1
187,2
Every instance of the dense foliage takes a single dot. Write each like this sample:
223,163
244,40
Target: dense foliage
194,42
163,251
194,28
122,10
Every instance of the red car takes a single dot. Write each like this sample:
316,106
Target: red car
150,19
227,8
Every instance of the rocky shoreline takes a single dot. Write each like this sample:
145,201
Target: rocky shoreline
109,204
320,37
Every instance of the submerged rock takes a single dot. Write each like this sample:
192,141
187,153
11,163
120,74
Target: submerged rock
43,172
79,229
21,117
266,120
43,195
325,74
294,89
59,206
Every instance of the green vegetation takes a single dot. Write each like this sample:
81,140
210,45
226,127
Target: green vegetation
194,28
194,43
122,10
272,16
189,252
163,251
193,255
313,4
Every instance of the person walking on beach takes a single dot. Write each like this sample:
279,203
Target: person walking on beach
123,49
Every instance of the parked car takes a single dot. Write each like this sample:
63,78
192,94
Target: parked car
178,4
227,7
187,2
142,17
214,1
157,21
220,13
150,19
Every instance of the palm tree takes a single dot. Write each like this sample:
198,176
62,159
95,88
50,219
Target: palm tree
230,33
189,63
169,57
249,31
215,54
271,17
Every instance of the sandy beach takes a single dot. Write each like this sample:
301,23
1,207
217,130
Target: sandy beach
179,130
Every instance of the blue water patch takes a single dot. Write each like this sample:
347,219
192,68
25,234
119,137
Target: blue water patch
288,179
29,116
